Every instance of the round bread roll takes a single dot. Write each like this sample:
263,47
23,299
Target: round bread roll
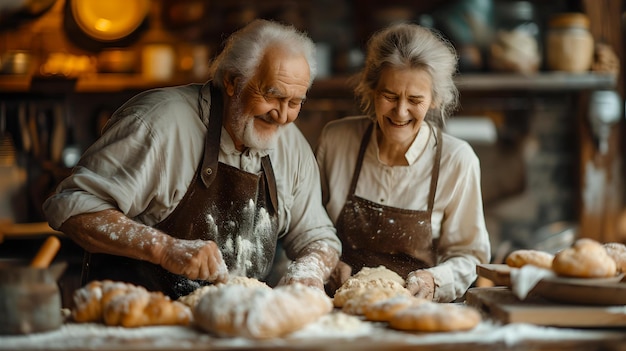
617,251
260,313
361,302
520,258
435,317
382,311
587,258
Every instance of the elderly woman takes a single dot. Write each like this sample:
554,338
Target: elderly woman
401,193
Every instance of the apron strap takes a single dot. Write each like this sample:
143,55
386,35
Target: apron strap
270,179
435,172
359,161
212,140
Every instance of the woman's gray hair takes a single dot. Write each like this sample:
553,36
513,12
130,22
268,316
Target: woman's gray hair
411,46
245,48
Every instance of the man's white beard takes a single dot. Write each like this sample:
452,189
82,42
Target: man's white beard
243,128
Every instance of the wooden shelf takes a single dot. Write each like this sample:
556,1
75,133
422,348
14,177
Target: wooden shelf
550,81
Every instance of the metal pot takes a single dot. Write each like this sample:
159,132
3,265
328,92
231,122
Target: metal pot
30,300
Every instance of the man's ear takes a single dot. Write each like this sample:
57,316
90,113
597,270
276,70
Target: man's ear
229,84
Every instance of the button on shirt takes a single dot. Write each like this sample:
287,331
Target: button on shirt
150,151
457,219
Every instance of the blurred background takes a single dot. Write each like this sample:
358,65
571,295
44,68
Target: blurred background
541,90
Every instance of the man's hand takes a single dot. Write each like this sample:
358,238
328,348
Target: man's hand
195,259
421,284
313,267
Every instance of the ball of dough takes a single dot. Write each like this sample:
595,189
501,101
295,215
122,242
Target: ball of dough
520,258
380,272
435,317
617,251
192,299
586,258
260,313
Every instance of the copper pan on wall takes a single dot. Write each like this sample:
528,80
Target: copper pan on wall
97,24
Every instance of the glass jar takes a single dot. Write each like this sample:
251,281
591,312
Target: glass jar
569,43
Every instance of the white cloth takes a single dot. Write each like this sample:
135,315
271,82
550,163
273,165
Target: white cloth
457,220
150,151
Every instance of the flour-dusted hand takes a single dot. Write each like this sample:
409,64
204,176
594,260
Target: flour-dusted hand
312,268
421,284
195,259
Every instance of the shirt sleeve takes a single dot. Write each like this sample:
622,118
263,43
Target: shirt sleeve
308,221
127,167
463,241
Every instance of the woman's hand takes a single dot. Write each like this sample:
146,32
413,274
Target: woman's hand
339,275
421,284
195,259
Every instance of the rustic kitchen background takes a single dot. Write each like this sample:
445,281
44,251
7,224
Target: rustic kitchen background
547,125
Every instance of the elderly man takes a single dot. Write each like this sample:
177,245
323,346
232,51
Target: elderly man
190,184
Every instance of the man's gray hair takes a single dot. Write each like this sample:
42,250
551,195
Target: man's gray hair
245,48
411,46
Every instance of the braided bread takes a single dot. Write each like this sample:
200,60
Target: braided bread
122,304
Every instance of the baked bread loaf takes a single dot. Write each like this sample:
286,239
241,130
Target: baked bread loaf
617,251
122,304
435,317
520,258
586,258
259,313
382,311
362,300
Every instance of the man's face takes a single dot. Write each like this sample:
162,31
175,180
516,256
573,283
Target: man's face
271,99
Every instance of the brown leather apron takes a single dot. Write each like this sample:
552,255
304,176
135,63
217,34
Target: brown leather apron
373,234
234,208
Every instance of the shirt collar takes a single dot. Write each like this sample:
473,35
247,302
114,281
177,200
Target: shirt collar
417,147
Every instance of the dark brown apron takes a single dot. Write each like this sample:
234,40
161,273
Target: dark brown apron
373,234
234,208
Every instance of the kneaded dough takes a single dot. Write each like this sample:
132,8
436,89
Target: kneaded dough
380,272
586,258
192,299
520,258
383,310
436,317
617,251
260,313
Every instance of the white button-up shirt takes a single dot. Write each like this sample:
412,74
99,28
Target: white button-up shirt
457,219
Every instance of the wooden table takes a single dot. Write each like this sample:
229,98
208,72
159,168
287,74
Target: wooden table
325,334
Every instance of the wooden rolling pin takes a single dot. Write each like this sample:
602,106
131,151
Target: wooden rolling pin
46,253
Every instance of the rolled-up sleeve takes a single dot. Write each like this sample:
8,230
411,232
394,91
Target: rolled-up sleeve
140,168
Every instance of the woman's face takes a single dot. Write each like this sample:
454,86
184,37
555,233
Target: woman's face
401,100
